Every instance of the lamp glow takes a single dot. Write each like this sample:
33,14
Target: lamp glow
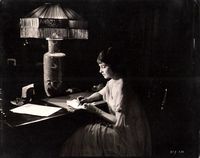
53,23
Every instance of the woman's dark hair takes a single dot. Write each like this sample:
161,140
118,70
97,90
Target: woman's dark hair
114,58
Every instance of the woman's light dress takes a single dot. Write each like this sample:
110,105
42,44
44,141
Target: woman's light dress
130,136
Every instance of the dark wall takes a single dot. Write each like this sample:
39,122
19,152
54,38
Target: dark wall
156,34
158,37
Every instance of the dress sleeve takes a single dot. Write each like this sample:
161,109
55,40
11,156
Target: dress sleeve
120,107
104,92
119,98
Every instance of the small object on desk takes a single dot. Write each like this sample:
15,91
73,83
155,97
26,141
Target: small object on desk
28,91
96,88
72,90
34,109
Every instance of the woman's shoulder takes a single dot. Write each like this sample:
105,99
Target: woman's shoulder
116,83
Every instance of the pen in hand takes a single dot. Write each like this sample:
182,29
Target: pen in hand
79,103
79,99
82,101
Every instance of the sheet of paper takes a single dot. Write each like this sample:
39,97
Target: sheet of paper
34,109
61,101
75,104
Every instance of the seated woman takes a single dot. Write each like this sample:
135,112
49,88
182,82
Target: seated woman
127,132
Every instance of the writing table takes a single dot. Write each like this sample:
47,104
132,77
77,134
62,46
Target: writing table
17,120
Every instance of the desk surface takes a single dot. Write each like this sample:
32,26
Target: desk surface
16,120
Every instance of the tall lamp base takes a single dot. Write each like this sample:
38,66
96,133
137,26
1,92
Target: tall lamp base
53,67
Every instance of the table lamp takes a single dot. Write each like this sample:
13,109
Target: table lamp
53,23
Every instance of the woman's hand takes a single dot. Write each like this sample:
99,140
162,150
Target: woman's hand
82,99
90,107
93,97
93,109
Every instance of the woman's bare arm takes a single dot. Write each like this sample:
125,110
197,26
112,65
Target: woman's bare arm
109,117
87,102
93,97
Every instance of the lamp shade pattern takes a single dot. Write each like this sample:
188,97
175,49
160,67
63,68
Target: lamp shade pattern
53,21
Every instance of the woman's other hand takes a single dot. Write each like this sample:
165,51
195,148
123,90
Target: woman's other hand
90,107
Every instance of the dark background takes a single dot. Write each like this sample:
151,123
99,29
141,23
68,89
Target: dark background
159,39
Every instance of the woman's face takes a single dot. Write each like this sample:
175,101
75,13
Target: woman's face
105,70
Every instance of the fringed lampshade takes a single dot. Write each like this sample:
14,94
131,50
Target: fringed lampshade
54,23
